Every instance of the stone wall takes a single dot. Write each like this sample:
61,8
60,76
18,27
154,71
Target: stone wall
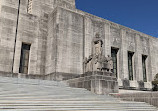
7,32
60,36
32,29
70,42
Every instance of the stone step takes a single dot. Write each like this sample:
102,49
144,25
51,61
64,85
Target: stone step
74,105
51,92
68,106
77,108
43,99
37,89
48,94
69,102
37,95
74,109
59,104
46,109
36,83
54,98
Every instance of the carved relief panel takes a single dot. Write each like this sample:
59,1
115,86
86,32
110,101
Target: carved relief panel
95,27
130,41
145,45
98,27
115,36
70,4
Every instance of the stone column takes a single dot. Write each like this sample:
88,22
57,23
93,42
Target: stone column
138,59
123,57
151,62
107,40
88,36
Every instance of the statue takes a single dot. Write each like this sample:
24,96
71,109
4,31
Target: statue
97,45
97,53
97,61
97,65
104,63
109,64
89,65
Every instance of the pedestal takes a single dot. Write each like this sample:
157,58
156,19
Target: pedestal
97,82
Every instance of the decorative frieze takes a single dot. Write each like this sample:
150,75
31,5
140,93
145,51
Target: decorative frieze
115,36
145,45
131,41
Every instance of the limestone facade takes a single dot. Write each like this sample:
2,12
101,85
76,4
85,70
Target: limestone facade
60,37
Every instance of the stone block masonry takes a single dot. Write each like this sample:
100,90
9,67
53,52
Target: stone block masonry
60,37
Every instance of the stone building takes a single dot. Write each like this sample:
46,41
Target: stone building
48,39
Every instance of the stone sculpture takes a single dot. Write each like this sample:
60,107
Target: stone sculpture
109,64
97,61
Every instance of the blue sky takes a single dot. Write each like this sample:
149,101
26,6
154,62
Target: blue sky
140,15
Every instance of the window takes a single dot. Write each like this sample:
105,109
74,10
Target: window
29,7
130,65
24,60
114,58
144,67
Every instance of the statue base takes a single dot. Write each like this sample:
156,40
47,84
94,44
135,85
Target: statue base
97,82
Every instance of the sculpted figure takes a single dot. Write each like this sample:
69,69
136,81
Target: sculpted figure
89,65
97,53
97,61
85,61
97,45
104,63
109,64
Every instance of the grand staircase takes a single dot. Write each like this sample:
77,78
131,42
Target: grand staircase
41,95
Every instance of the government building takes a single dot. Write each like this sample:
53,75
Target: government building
49,39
